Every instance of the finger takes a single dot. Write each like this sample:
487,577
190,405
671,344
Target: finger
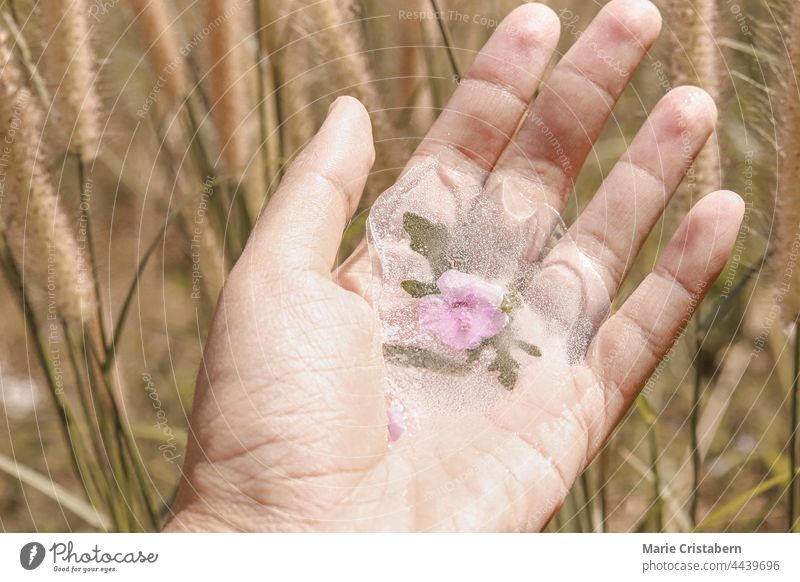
302,226
567,117
615,224
355,273
629,346
489,102
485,109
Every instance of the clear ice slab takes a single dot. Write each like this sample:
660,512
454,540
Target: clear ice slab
479,294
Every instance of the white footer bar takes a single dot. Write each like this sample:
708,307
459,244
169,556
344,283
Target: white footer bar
406,558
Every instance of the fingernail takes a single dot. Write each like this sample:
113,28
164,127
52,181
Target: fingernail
732,201
336,103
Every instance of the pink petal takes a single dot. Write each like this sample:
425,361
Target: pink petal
434,314
454,282
396,424
494,320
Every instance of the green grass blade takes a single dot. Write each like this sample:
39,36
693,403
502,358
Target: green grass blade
740,500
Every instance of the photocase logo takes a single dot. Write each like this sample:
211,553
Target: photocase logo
31,555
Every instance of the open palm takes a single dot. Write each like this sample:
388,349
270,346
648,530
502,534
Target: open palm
288,430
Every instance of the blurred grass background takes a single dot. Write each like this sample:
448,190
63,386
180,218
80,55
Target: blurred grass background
197,119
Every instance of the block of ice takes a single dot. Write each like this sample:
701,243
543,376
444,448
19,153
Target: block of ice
475,300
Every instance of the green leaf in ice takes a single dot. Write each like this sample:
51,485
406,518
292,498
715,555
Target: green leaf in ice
413,357
530,349
429,239
506,367
418,289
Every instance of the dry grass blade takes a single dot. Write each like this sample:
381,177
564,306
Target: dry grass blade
674,506
740,500
56,492
733,370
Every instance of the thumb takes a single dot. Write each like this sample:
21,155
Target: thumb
302,225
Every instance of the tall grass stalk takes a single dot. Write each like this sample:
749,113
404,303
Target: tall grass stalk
787,212
272,126
48,238
603,460
264,100
47,234
78,453
88,401
227,106
588,501
128,478
292,81
651,426
70,69
227,83
159,30
103,441
694,424
12,22
309,51
658,509
792,512
157,25
331,34
695,60
219,204
447,39
85,188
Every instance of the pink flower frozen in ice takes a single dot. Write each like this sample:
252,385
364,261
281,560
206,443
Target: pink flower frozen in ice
465,312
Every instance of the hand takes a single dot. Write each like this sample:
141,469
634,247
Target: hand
288,430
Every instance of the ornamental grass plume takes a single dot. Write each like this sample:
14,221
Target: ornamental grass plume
346,64
156,25
69,71
694,60
227,82
289,77
46,230
785,261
